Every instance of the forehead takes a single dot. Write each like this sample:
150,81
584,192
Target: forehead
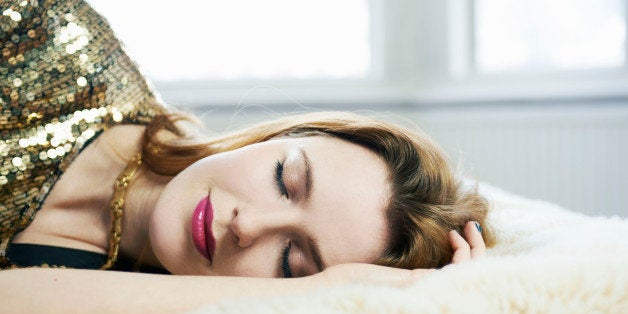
349,196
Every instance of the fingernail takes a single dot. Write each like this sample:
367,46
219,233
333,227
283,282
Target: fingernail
477,226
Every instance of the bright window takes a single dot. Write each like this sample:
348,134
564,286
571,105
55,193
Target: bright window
533,35
243,39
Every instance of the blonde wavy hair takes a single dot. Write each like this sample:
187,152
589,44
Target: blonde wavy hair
427,199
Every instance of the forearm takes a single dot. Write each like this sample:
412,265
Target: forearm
68,290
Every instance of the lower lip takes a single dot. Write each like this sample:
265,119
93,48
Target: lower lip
202,235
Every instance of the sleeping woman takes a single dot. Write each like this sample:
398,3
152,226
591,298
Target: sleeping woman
97,174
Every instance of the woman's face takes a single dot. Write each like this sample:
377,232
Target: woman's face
269,219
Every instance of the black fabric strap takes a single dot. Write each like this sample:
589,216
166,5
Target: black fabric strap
25,255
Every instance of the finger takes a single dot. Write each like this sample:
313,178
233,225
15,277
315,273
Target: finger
473,234
462,251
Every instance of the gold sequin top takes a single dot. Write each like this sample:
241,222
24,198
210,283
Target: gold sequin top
64,78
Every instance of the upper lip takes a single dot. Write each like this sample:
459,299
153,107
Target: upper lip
202,235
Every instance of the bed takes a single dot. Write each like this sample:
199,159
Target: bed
547,259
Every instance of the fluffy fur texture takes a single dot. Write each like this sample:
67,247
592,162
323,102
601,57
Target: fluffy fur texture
546,260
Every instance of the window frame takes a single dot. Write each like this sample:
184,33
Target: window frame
452,77
374,88
421,54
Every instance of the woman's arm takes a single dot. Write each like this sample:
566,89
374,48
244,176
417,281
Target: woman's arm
71,290
36,290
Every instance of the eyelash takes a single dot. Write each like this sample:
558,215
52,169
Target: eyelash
279,179
285,261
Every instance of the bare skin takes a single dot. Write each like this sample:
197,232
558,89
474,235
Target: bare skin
83,221
254,218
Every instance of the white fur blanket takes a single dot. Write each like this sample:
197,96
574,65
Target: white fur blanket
546,260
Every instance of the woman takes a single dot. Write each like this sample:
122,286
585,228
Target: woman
97,174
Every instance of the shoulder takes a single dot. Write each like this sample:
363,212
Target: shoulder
122,141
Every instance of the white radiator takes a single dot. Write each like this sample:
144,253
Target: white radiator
575,156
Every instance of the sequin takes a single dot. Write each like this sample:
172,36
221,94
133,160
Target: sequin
81,81
64,78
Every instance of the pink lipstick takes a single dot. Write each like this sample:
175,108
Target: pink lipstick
202,235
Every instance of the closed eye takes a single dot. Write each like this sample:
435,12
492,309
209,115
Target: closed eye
279,179
285,261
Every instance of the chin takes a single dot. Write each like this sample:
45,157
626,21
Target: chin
171,237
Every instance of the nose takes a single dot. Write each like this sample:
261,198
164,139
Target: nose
251,225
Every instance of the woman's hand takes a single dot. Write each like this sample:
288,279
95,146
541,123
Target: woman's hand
465,249
471,248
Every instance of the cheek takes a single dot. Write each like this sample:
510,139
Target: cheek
253,261
170,221
235,177
244,173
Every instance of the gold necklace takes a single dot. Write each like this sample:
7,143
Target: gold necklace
117,208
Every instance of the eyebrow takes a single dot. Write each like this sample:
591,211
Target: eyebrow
308,174
316,254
